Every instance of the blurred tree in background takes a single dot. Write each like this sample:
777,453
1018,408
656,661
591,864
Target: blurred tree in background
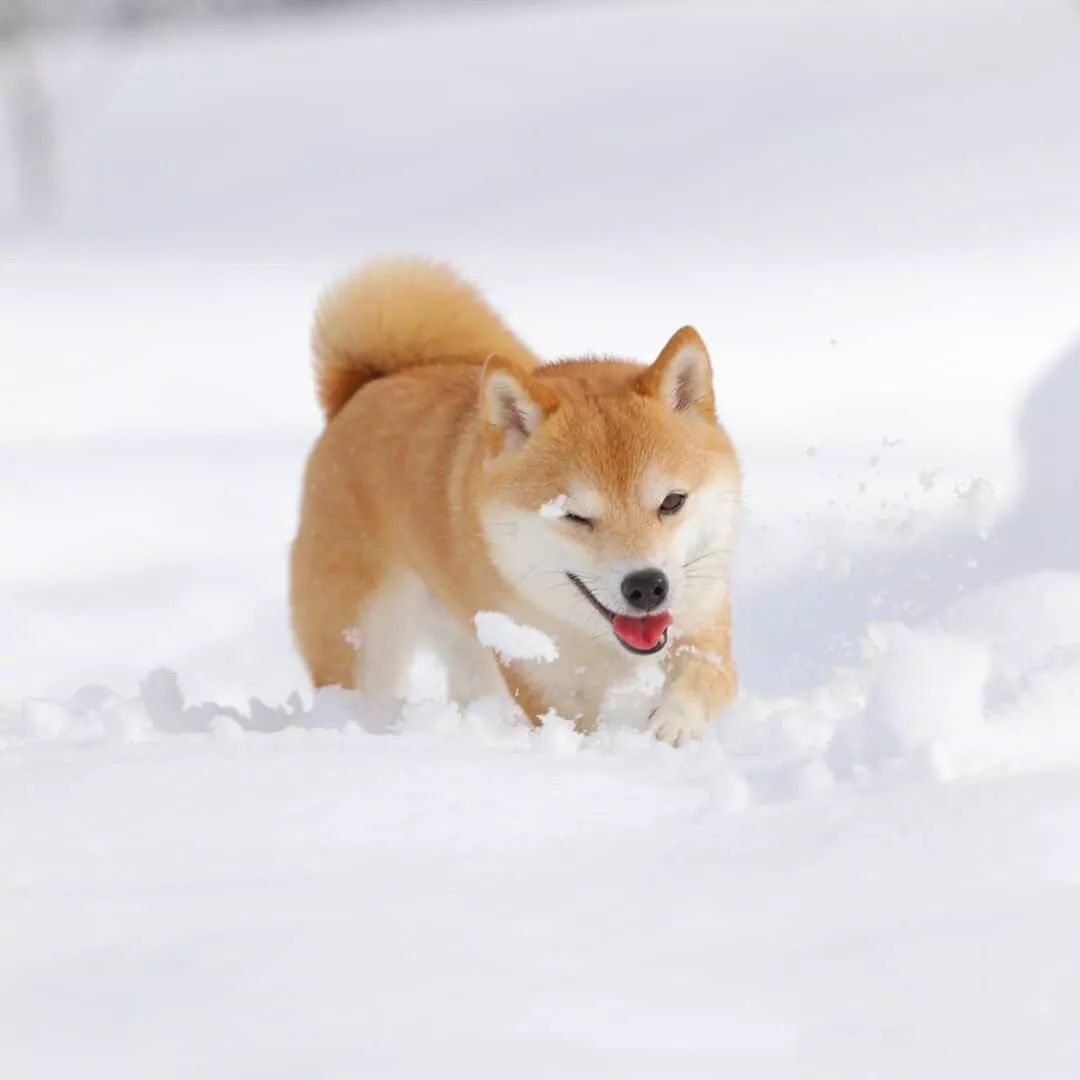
58,14
29,113
30,117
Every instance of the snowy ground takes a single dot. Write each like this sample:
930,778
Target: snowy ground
869,868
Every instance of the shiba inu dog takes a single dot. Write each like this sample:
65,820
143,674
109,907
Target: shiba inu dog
593,499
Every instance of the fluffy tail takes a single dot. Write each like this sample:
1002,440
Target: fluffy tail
401,313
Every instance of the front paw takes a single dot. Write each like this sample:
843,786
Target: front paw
677,722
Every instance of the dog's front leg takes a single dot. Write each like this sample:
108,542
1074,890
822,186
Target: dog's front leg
525,695
701,680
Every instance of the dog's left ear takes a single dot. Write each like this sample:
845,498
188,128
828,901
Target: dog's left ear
512,403
681,376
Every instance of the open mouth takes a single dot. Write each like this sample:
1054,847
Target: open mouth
641,634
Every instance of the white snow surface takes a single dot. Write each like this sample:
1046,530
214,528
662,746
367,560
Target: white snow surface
870,866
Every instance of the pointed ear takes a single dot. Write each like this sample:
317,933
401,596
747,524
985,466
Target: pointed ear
512,403
681,376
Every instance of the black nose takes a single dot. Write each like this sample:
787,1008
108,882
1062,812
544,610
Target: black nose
645,589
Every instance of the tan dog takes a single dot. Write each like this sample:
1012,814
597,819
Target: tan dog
592,499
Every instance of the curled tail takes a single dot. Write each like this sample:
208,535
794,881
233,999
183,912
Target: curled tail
400,313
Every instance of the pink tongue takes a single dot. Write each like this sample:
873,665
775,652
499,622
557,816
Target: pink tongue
643,633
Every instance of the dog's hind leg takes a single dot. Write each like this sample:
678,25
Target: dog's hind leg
387,630
331,586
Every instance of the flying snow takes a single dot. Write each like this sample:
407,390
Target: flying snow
511,640
553,509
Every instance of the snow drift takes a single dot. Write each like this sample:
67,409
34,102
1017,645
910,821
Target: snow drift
869,865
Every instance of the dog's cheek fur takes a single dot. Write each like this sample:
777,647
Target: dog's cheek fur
532,556
703,541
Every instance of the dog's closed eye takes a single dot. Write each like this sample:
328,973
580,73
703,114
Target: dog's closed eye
577,519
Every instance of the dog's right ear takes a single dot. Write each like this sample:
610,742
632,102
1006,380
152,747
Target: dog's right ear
512,403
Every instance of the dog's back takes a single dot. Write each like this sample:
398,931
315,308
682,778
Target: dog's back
399,347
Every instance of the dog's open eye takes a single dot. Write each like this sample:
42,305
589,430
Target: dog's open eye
673,502
577,519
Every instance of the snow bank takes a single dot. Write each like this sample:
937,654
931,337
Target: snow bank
989,686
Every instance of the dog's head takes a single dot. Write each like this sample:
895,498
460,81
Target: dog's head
610,491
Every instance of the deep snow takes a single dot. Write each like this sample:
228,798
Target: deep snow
869,867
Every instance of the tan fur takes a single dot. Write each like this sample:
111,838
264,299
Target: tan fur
400,313
429,477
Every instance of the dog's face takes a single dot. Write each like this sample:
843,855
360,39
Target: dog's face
610,493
